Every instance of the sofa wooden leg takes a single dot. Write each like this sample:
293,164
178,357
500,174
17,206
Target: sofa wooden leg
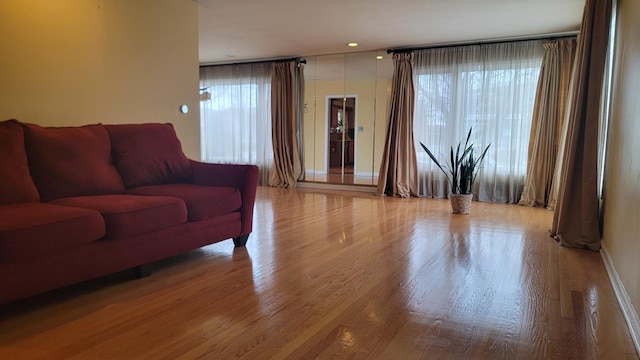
241,240
142,271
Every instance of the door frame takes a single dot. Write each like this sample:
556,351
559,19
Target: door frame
327,119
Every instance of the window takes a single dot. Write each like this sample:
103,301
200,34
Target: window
236,115
605,106
490,88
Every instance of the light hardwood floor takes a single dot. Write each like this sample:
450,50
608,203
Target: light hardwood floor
343,276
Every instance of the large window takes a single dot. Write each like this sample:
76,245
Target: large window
490,88
235,110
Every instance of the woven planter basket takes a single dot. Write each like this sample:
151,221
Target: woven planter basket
461,204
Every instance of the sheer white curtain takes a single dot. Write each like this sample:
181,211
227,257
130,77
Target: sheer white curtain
235,115
490,88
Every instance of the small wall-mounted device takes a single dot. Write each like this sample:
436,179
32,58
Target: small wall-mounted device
184,108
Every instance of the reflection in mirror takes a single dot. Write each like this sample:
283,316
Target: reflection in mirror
341,145
346,100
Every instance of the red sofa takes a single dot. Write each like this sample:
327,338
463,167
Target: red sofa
77,203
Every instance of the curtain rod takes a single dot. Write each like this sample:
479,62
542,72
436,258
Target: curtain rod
556,36
261,61
298,60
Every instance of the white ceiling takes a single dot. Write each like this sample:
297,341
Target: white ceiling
242,30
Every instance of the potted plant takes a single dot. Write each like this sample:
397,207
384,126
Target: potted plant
461,172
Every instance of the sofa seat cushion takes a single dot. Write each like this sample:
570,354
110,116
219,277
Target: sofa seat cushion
129,215
28,230
16,185
71,161
203,202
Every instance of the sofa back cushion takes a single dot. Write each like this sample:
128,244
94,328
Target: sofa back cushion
16,185
148,154
71,161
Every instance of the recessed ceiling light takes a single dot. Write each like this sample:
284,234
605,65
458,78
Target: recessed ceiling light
379,57
352,44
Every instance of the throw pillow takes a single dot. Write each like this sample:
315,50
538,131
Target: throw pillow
148,154
71,161
16,185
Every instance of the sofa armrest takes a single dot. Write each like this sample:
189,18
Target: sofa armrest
241,177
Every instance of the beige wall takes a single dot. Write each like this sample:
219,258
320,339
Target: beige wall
76,62
622,178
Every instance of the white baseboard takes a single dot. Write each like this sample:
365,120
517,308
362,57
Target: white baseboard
366,174
628,311
315,172
311,173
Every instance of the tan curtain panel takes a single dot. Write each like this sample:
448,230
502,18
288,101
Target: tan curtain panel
287,168
576,220
548,115
399,168
300,85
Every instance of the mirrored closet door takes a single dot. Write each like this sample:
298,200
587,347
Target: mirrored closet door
346,100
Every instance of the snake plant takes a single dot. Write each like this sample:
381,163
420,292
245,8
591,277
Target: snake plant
462,168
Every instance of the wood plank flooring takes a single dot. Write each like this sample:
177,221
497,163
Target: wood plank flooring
339,275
